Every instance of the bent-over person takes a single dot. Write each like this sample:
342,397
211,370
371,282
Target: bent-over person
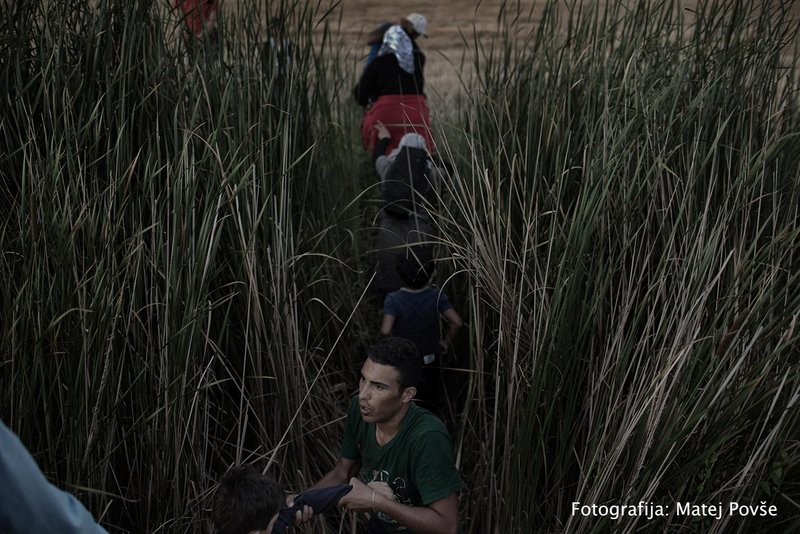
391,442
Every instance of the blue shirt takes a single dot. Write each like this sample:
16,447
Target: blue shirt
28,502
320,500
416,316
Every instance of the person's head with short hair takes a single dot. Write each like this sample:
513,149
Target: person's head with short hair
415,270
246,502
401,354
389,379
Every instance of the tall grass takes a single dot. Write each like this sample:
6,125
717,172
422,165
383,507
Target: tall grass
185,240
627,212
179,227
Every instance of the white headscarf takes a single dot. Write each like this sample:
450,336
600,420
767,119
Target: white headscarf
411,140
396,41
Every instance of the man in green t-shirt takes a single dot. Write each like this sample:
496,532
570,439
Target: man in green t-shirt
400,453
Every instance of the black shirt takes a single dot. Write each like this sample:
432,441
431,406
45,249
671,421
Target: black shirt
385,77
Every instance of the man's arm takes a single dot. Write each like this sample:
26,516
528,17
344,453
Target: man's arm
379,157
343,471
439,517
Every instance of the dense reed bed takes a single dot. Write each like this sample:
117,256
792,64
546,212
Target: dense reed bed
627,214
186,241
175,245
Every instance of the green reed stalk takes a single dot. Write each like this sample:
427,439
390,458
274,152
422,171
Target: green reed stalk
626,208
177,238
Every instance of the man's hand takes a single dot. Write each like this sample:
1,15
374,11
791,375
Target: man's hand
301,516
363,498
382,488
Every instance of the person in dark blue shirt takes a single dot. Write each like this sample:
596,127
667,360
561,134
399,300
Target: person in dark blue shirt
413,312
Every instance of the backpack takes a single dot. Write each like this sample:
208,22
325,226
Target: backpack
407,182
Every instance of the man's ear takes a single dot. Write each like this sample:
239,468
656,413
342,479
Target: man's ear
409,393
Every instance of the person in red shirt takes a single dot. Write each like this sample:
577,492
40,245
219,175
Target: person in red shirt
392,90
200,17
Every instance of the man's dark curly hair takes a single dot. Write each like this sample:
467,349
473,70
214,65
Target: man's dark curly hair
401,354
245,500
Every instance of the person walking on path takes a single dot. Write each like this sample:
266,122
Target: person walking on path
392,89
408,181
414,312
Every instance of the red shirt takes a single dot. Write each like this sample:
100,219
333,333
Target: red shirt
200,15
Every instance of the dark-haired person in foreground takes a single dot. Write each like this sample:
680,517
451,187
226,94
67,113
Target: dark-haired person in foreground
390,441
249,502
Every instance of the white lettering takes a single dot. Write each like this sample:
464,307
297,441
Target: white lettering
759,510
618,511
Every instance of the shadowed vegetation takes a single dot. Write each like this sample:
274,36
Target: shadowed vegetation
187,238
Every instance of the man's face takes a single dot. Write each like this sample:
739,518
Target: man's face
379,395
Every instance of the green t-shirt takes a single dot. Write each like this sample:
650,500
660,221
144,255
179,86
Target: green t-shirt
417,463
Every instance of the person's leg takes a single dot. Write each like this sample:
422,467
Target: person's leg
391,245
429,391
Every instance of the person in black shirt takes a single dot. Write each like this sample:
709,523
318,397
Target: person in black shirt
392,88
399,233
385,76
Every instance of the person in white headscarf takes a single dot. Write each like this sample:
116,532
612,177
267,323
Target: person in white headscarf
392,88
396,41
398,69
384,161
415,25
